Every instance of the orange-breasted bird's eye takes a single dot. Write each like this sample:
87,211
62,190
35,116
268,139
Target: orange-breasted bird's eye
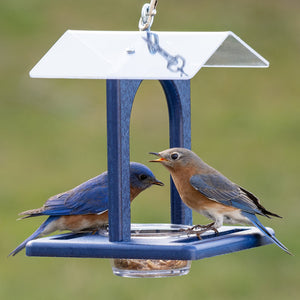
174,156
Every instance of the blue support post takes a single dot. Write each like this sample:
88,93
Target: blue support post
178,96
120,95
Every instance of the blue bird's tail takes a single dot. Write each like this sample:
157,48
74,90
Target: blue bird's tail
35,235
254,220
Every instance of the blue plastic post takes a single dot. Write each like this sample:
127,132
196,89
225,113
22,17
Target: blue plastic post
120,96
178,96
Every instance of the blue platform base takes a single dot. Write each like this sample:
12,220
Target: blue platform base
230,239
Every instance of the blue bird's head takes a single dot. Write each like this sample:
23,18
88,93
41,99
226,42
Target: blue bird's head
141,177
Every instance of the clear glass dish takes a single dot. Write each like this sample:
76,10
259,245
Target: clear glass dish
155,268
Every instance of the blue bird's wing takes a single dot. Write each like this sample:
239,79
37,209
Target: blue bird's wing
92,200
91,197
218,188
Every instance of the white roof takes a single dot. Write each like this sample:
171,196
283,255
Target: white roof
126,55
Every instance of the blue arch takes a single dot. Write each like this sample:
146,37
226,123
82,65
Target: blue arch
120,97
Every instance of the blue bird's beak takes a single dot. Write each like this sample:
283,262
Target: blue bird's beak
157,182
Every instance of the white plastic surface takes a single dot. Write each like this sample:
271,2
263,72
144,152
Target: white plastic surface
126,55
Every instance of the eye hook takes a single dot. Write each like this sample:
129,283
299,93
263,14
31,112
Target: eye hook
147,15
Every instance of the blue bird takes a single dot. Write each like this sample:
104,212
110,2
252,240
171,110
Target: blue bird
85,207
207,191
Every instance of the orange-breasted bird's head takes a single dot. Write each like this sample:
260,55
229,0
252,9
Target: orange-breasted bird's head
175,159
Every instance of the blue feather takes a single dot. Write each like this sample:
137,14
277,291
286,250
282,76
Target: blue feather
36,234
254,220
220,189
89,197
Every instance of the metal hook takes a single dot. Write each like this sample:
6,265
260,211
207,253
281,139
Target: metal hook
147,15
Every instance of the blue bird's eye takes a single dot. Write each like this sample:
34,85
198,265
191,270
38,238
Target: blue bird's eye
174,156
143,177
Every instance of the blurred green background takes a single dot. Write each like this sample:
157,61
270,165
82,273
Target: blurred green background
245,122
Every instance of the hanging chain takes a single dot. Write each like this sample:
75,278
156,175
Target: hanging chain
175,63
147,15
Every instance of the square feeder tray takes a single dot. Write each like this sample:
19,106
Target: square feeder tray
159,250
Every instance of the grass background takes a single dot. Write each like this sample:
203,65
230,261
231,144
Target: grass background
245,122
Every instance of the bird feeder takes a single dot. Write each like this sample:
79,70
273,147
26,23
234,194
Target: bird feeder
124,59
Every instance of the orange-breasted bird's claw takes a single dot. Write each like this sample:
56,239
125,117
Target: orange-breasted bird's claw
199,229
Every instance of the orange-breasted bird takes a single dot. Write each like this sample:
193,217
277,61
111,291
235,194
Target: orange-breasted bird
208,192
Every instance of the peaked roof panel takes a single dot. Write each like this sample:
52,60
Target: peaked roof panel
143,55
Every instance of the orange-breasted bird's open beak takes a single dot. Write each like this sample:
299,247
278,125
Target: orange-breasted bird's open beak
160,159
